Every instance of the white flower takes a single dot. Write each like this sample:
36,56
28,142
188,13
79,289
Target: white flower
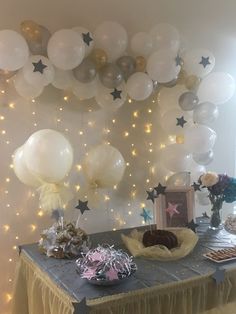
209,179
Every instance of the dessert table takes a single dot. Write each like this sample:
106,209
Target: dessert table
186,286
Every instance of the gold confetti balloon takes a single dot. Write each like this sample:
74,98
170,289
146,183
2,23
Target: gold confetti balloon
99,57
31,30
140,64
192,82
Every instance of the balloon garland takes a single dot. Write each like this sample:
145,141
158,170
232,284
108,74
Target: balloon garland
105,66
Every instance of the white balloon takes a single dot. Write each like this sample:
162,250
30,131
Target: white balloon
37,74
199,138
175,158
24,89
139,86
14,51
217,88
169,121
204,158
104,166
165,36
63,79
49,155
195,170
168,97
21,171
84,90
87,37
205,113
160,173
112,38
141,44
107,101
199,62
161,66
66,49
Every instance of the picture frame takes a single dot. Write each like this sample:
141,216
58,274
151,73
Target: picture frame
182,196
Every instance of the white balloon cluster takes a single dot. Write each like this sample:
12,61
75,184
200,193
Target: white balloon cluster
43,162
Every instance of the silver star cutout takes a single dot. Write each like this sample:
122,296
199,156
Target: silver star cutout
39,66
87,38
205,61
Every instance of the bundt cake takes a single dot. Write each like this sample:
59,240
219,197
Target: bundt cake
163,237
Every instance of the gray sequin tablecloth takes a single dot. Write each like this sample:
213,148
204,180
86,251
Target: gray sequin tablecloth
150,273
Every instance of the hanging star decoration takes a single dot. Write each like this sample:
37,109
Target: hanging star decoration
205,61
219,275
57,213
82,206
192,225
151,195
147,217
181,121
116,94
196,186
160,189
39,66
87,38
172,209
204,215
81,307
178,60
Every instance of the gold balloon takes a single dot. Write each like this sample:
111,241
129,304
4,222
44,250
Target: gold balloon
30,30
179,139
140,64
99,57
192,82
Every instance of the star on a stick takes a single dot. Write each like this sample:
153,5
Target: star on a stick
219,275
112,274
116,94
81,307
87,38
151,195
172,209
39,66
196,186
146,215
181,121
205,61
82,206
160,189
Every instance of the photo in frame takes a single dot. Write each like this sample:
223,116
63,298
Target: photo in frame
184,199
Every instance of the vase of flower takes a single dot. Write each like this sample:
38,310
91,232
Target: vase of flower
221,188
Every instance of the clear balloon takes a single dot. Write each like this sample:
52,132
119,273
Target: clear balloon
139,86
165,36
111,99
104,166
160,173
63,79
141,44
188,101
111,75
161,66
87,37
24,89
199,138
203,197
112,38
38,71
168,97
22,172
38,46
217,88
48,155
127,65
14,51
196,170
175,158
84,90
204,158
205,113
199,62
66,49
86,71
179,179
